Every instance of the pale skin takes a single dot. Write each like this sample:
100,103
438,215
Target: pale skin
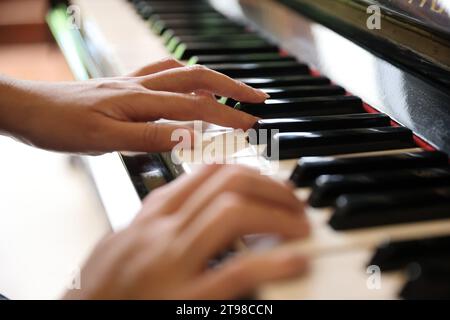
163,254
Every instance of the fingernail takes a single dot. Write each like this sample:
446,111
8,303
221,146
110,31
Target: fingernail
262,94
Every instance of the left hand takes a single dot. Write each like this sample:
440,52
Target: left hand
111,114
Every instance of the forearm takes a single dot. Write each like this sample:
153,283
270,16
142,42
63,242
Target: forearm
16,106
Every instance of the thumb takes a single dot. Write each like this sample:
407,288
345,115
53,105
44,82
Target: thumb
150,137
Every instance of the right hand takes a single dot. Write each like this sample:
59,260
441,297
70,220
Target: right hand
164,253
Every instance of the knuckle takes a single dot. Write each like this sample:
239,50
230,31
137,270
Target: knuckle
95,131
202,100
198,70
229,203
194,106
114,83
239,175
150,134
171,62
155,196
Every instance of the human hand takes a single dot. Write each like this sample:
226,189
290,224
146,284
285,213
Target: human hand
113,114
165,252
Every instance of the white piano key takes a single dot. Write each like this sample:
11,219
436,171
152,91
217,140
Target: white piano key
339,275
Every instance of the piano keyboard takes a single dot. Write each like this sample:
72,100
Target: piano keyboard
375,197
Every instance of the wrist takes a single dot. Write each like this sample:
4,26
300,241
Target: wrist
16,106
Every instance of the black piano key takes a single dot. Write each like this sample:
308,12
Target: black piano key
318,143
185,51
183,16
300,107
328,188
428,281
216,38
265,69
165,8
318,123
195,23
347,121
242,58
396,255
391,207
285,81
298,92
160,27
146,10
170,33
308,169
304,91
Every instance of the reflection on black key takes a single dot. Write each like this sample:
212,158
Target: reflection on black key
318,143
397,255
346,121
187,50
304,91
298,92
265,69
299,107
186,16
285,81
391,207
328,188
319,123
308,169
428,280
242,58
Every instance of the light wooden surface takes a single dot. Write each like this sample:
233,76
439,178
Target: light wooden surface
23,21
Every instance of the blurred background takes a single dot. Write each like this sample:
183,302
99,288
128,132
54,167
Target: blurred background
48,205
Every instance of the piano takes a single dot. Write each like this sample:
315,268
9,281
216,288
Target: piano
360,97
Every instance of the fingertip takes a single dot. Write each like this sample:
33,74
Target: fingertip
263,94
294,262
247,93
257,96
248,121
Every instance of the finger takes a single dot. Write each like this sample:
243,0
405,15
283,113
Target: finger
244,181
190,79
242,275
168,199
186,107
148,137
159,66
230,217
205,93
